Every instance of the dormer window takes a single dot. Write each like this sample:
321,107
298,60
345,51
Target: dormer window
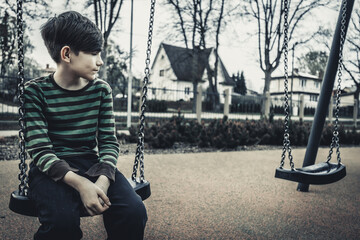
161,73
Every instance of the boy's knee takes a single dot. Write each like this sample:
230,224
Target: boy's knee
126,220
137,213
67,224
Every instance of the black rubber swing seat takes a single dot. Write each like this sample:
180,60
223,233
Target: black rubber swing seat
321,173
24,205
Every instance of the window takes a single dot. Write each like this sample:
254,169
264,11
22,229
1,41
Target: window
164,90
161,73
154,91
313,98
302,82
187,90
317,84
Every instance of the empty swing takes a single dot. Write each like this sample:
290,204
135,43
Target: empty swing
324,172
20,202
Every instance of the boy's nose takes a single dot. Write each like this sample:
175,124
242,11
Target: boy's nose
99,61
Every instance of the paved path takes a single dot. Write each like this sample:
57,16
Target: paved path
231,195
8,133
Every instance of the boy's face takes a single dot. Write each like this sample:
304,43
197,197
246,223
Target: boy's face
86,64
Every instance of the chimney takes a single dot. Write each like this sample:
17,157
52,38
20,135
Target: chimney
47,66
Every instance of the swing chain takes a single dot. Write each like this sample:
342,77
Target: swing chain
286,141
139,158
23,186
335,139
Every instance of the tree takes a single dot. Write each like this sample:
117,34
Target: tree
240,82
33,10
314,62
116,70
7,41
269,18
352,63
106,13
197,22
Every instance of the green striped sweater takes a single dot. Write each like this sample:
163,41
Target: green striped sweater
63,123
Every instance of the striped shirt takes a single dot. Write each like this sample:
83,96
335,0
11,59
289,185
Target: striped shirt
64,123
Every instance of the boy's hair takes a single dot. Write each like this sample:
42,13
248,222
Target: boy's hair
71,29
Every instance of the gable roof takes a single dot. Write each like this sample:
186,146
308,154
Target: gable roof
186,63
227,78
189,64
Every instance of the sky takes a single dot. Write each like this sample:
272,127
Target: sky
238,49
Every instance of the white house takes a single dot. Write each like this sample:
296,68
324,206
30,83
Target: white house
299,84
174,69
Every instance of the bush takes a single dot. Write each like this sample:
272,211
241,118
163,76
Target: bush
156,106
230,134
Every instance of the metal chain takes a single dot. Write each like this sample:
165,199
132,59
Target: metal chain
335,142
23,186
286,141
139,158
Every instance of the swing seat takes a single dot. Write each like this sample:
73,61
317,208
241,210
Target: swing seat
321,173
24,205
141,188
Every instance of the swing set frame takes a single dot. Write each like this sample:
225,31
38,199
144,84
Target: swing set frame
326,172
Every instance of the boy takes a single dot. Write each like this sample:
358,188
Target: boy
71,139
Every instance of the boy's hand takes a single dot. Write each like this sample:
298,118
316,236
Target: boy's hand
103,183
90,193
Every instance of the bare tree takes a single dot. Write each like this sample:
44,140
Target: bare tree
352,63
199,22
32,9
269,17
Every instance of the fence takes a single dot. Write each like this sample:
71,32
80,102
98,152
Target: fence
165,103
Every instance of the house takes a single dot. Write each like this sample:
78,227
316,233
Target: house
175,68
349,101
299,84
47,70
348,96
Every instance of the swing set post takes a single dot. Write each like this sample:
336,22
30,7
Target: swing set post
325,93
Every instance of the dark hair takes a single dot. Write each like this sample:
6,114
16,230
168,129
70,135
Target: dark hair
71,29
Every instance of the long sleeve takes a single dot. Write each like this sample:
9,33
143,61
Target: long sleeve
38,143
107,142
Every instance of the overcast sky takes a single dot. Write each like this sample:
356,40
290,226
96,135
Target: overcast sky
238,49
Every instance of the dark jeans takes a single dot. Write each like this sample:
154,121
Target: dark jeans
59,206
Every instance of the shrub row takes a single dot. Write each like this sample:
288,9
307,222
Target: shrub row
231,134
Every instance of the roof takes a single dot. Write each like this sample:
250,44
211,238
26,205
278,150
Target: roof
299,75
189,64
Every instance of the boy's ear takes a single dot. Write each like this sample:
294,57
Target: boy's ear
65,54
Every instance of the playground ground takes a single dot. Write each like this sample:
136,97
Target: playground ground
222,195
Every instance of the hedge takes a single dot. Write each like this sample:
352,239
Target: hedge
230,134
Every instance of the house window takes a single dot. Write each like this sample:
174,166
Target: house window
154,91
187,90
302,82
317,84
164,90
313,98
161,73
